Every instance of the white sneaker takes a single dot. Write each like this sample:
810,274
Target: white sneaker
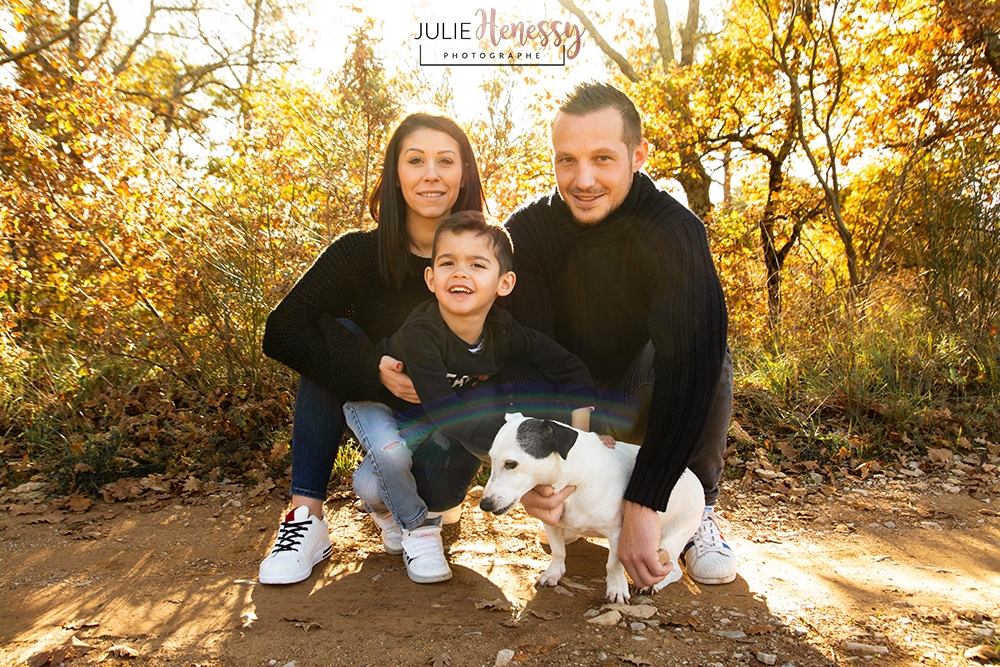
423,553
707,557
392,534
303,540
448,516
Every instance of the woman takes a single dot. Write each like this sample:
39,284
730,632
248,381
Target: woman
359,291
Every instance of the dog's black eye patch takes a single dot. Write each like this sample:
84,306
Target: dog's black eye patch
510,465
536,438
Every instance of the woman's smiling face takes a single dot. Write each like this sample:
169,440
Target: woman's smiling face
430,174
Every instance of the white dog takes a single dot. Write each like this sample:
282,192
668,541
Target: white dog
528,452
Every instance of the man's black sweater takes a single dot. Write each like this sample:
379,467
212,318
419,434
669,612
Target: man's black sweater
604,290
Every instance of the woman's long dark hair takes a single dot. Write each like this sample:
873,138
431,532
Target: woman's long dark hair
388,208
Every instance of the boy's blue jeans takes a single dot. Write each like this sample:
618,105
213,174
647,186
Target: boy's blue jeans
442,476
384,480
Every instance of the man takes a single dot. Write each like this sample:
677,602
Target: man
620,273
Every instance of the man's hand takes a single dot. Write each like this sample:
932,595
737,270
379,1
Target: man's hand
543,503
639,545
391,375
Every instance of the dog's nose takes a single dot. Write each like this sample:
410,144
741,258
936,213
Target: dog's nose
486,504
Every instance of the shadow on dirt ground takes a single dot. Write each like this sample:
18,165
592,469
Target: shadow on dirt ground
910,581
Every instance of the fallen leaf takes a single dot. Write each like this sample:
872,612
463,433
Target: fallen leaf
79,504
45,657
634,660
89,535
940,455
443,660
572,584
18,510
192,485
983,653
497,605
53,517
122,651
80,646
307,626
690,621
510,622
263,487
546,615
353,612
526,650
81,624
973,615
760,630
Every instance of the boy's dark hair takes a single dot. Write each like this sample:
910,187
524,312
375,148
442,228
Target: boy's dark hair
590,97
475,222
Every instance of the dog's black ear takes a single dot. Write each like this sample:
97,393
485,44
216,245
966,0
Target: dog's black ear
540,438
565,437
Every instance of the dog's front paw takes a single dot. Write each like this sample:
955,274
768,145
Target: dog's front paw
617,590
552,575
675,575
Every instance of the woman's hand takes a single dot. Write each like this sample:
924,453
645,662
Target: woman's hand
392,377
543,503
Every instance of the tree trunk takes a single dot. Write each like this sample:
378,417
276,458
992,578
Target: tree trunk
663,39
689,33
74,35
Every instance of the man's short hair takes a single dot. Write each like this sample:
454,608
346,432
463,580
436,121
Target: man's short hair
592,96
475,222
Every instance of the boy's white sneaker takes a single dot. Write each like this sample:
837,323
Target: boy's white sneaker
707,557
423,554
449,516
392,534
303,540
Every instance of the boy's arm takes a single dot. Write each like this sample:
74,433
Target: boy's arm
556,364
458,418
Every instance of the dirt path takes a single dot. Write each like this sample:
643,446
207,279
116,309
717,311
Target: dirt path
911,572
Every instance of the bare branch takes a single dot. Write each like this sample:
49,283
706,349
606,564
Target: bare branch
619,59
73,29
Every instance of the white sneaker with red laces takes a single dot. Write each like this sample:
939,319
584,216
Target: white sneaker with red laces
303,540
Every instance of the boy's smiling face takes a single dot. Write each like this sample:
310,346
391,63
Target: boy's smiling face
465,275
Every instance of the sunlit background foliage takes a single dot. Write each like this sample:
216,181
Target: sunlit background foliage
161,188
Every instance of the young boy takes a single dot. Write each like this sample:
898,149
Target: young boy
448,345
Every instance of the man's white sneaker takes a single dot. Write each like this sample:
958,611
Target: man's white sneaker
707,557
303,540
392,534
423,554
